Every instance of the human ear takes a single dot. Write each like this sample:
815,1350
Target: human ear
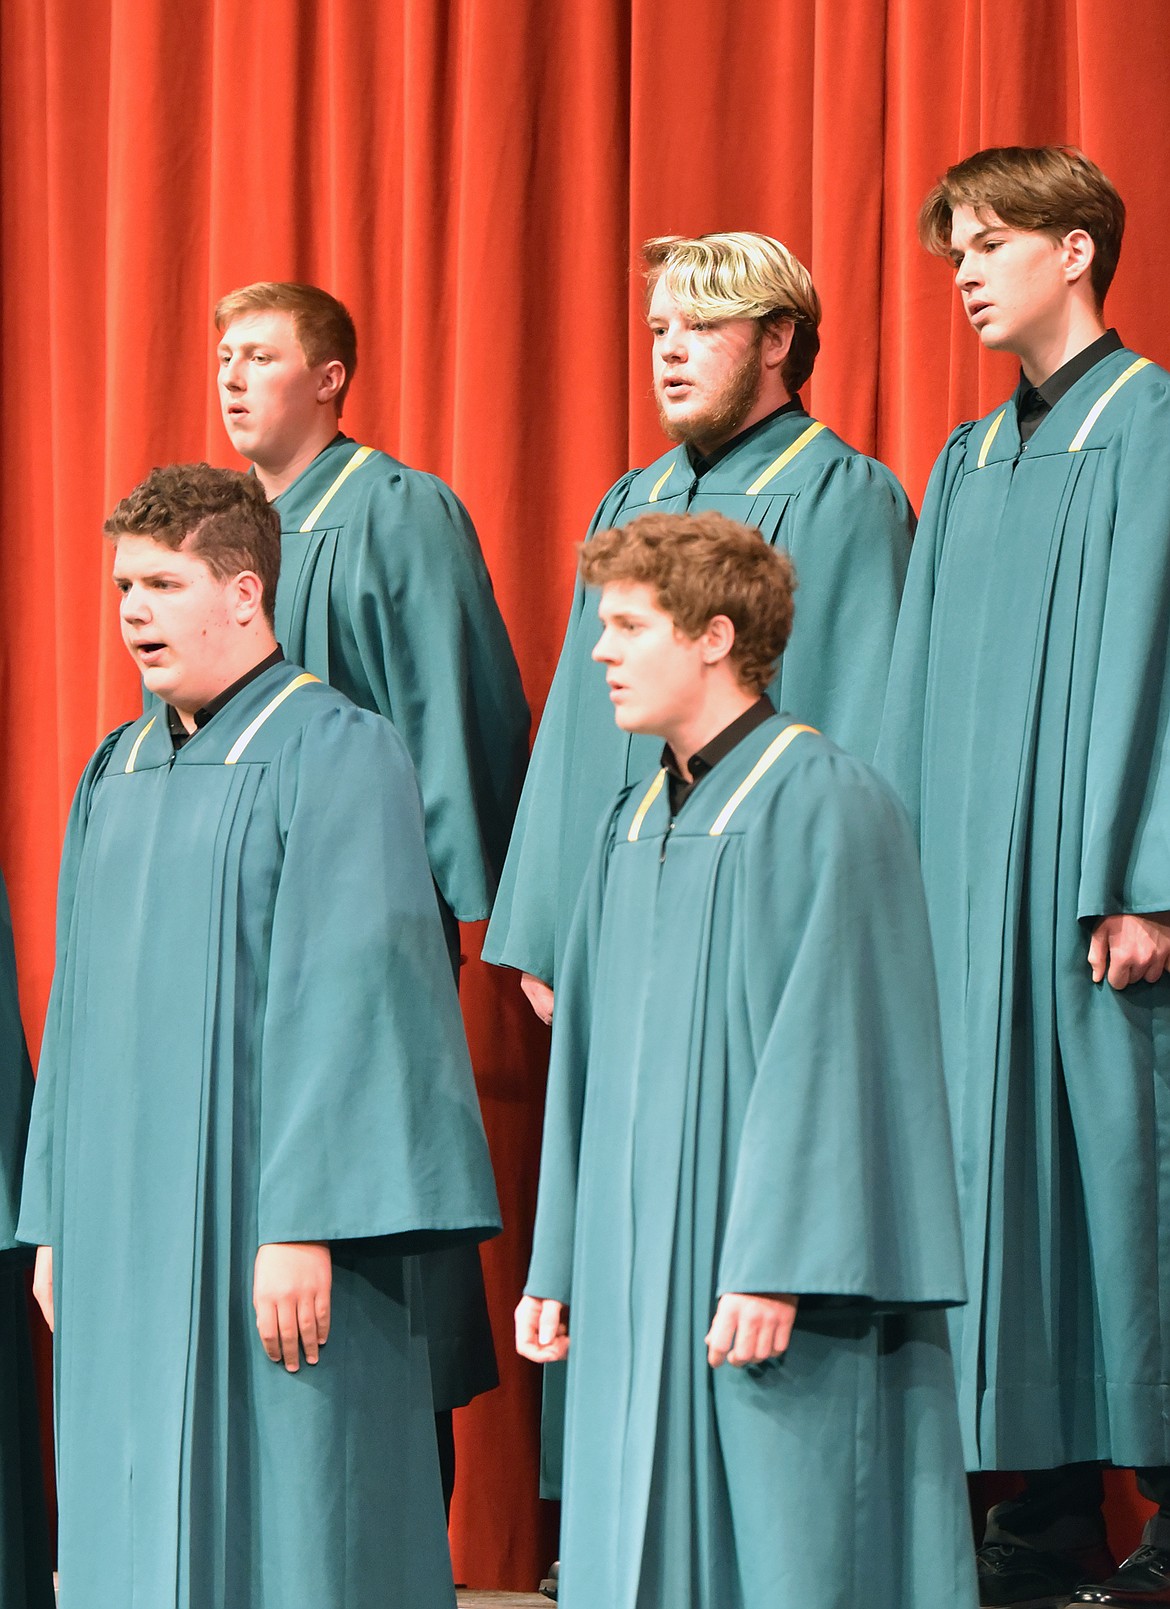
777,339
717,640
1079,251
249,596
330,379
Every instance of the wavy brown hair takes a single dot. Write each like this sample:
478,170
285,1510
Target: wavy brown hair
700,566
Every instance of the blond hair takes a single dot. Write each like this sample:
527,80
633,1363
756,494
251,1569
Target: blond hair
323,326
741,274
1047,189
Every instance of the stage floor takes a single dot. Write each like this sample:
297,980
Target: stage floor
502,1600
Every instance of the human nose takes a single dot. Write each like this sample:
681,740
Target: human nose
134,607
672,343
603,650
231,374
967,273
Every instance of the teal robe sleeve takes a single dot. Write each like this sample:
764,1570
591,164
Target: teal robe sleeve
16,1085
436,658
899,749
36,1224
551,1267
522,933
363,1054
849,535
844,1178
1125,863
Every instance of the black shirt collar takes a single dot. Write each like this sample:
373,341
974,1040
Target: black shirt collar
718,748
701,464
180,734
1034,402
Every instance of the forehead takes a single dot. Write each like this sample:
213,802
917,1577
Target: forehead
662,303
272,327
629,598
143,556
968,223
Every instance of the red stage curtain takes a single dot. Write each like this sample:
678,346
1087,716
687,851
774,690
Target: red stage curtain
473,178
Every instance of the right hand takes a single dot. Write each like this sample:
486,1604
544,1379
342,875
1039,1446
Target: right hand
542,1330
43,1282
540,996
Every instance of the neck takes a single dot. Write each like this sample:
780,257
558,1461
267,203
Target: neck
1051,348
689,734
277,475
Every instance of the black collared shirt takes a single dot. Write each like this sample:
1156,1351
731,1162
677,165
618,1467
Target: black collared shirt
719,747
701,464
1034,402
180,734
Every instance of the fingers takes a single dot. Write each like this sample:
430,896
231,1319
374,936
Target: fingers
549,1323
542,1333
721,1336
291,1295
539,995
750,1329
1098,953
43,1283
268,1328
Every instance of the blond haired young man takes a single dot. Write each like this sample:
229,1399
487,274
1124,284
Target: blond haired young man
1026,729
747,1226
734,322
385,595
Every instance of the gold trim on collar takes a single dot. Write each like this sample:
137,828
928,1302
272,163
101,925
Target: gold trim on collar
1103,402
652,793
253,727
661,481
355,462
785,457
769,757
138,741
990,437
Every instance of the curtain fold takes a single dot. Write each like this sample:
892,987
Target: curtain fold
473,177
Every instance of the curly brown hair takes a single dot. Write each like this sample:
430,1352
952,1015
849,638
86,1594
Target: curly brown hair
700,566
1049,189
231,524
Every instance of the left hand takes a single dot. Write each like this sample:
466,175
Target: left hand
750,1329
1130,949
291,1289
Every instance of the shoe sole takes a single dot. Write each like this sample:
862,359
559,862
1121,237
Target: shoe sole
1060,1600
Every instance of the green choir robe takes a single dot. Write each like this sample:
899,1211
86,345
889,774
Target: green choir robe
253,1037
847,525
384,593
746,1096
1026,729
26,1573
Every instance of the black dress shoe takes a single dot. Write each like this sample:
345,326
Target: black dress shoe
549,1585
1015,1577
1144,1578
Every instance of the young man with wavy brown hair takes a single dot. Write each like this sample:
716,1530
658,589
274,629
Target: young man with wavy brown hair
1026,728
746,1228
